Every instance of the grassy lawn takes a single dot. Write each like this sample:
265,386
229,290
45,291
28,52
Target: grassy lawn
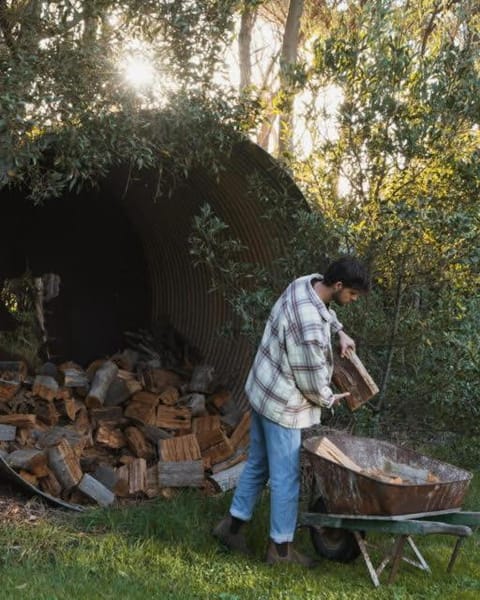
163,549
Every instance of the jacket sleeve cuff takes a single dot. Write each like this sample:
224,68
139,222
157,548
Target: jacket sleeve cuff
335,324
327,397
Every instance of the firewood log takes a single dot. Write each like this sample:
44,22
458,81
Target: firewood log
76,440
121,486
196,403
126,360
47,413
205,423
8,388
215,445
112,438
152,489
96,490
29,477
106,415
13,369
102,379
169,396
7,433
50,484
29,459
202,379
107,475
169,417
219,399
45,387
187,473
117,393
65,464
19,420
138,444
158,380
184,447
141,413
349,375
154,434
137,476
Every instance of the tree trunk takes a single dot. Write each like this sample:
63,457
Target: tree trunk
391,344
90,23
244,46
287,63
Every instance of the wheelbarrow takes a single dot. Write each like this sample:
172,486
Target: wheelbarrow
362,485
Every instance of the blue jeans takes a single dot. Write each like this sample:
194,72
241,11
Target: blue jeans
274,454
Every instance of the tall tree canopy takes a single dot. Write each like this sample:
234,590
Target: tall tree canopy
64,69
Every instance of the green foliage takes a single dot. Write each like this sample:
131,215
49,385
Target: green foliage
18,297
70,157
456,372
407,145
456,448
67,114
243,284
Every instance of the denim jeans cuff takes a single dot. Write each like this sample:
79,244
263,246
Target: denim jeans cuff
239,515
281,539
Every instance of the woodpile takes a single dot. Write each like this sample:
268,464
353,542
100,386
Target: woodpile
120,428
350,375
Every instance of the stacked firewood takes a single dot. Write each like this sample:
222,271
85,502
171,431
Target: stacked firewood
119,428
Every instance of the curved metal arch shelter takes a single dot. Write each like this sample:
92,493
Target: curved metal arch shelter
124,262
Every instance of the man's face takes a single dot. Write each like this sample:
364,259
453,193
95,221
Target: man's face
344,295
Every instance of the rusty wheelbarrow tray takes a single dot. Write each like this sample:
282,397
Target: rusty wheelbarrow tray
348,501
349,491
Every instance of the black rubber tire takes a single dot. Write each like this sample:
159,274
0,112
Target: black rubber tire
335,544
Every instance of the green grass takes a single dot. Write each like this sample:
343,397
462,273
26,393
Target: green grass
163,549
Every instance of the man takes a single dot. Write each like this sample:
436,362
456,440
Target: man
287,386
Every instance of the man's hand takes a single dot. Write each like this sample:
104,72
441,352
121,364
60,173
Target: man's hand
337,398
346,343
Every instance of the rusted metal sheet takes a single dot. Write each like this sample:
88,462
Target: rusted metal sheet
346,491
182,291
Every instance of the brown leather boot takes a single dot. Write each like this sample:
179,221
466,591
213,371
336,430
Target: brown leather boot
292,556
234,541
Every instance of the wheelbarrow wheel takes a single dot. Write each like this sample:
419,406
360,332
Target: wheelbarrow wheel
335,544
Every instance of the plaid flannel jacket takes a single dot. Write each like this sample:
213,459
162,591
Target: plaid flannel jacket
290,377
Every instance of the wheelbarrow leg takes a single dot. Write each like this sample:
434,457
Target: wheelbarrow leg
366,558
453,558
422,563
397,557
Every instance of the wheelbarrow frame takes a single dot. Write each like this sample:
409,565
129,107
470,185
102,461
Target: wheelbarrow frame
402,528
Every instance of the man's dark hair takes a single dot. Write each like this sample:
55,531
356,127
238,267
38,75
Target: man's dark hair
350,271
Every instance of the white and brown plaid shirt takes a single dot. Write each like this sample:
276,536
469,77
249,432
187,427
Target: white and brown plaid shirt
290,377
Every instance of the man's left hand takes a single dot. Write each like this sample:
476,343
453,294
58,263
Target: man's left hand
347,345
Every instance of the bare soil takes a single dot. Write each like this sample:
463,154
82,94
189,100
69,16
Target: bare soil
18,507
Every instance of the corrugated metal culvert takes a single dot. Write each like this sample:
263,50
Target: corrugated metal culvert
123,257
